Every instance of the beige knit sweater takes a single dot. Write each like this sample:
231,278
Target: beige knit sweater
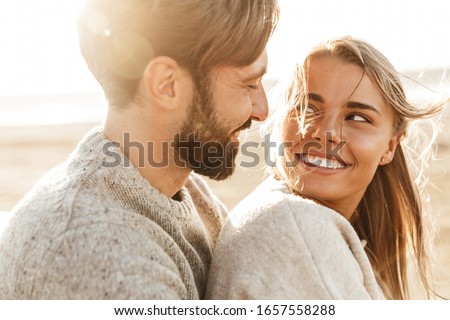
88,231
277,245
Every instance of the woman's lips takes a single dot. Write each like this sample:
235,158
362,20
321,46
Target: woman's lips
321,161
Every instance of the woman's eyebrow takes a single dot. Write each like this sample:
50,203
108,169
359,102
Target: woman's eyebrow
315,97
360,105
350,104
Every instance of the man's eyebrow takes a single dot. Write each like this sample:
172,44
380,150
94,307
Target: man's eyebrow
256,75
360,105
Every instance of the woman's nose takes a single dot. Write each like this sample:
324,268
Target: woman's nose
326,129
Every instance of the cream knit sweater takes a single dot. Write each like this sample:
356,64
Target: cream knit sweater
88,231
277,245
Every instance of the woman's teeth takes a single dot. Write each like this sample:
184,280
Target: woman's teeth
322,162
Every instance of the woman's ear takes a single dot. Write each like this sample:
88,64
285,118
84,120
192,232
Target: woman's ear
164,82
388,155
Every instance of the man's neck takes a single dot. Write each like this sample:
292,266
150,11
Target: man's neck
149,149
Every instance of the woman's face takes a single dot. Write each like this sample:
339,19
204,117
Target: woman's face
350,132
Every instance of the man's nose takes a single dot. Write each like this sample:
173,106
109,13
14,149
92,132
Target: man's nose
260,107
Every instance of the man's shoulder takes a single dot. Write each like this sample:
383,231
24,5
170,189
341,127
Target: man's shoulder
78,184
54,204
81,253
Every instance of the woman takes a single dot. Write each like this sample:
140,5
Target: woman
341,212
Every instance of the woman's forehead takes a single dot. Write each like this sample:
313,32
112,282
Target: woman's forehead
337,81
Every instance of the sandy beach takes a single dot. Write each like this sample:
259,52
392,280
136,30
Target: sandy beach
28,152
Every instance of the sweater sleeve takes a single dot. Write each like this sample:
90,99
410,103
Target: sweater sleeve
283,251
108,261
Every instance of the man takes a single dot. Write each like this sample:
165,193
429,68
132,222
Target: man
124,217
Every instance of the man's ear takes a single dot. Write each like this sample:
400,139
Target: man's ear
388,155
165,83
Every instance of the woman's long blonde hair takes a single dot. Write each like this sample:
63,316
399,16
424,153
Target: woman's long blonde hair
389,216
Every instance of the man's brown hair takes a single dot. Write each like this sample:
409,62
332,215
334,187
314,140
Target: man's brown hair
119,37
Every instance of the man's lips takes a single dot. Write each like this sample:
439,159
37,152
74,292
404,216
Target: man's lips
245,126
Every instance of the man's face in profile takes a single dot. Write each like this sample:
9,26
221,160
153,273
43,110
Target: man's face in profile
224,103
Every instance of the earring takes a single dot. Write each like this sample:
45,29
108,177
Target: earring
382,159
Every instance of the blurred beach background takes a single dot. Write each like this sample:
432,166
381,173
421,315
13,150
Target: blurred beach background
49,100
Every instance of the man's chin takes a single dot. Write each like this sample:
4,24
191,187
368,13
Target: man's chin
220,169
218,174
234,139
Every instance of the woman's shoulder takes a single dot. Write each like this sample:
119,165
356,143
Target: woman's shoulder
277,244
273,201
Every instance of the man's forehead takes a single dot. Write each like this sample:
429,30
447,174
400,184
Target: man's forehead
255,70
243,74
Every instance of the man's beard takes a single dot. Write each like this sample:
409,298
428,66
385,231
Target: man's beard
202,143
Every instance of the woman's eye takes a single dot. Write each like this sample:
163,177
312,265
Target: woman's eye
358,118
309,110
252,86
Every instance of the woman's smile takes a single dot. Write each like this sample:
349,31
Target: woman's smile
350,129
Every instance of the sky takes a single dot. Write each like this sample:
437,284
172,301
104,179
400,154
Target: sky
39,45
412,34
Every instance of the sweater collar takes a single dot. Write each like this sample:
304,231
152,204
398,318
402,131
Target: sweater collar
124,180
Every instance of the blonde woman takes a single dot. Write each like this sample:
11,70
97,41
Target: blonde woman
341,212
